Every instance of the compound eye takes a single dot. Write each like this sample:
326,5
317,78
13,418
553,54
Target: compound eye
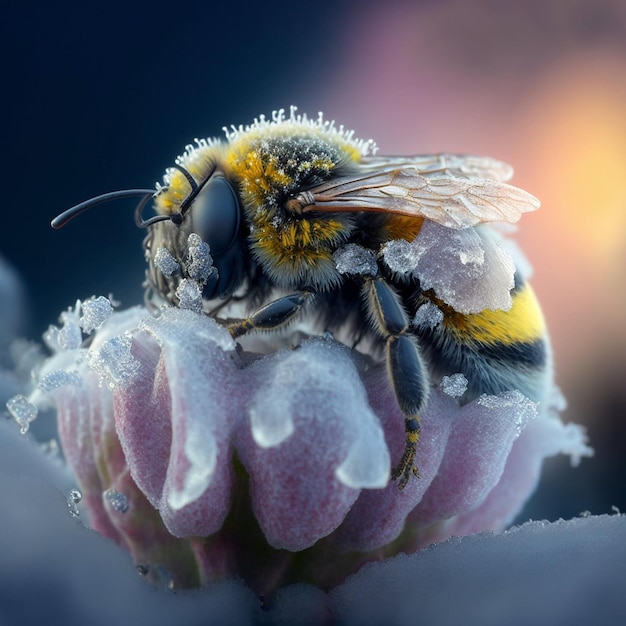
216,215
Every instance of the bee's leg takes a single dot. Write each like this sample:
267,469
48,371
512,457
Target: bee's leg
271,316
406,368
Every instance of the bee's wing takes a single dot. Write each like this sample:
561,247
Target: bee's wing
452,201
445,164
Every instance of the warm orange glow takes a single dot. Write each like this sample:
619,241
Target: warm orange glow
578,145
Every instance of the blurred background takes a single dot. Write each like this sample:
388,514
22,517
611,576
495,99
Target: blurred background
100,97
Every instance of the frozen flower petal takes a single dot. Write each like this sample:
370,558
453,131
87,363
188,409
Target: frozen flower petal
475,456
185,415
541,438
292,448
304,484
379,516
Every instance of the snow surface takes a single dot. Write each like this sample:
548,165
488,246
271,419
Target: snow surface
568,572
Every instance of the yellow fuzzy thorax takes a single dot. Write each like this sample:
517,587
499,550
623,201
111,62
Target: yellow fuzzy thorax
266,163
309,238
274,158
267,160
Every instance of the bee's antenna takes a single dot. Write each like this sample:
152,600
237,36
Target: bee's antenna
61,220
177,218
190,179
196,188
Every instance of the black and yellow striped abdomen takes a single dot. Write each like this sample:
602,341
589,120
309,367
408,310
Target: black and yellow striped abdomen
496,351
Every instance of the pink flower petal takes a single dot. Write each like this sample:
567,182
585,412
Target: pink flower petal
476,452
298,494
184,464
378,516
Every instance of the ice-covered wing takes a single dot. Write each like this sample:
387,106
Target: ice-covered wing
445,164
451,201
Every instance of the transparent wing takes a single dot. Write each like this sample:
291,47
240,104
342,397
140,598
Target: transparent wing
459,165
452,201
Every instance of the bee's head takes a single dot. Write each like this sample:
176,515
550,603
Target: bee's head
209,208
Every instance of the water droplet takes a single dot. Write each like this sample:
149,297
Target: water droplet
157,575
51,448
116,500
142,570
72,502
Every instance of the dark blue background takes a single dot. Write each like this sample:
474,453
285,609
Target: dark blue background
104,96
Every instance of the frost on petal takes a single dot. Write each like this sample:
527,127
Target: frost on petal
95,312
303,485
540,438
454,385
475,455
85,418
85,415
112,361
175,420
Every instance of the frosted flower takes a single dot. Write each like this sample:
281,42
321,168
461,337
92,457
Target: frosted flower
206,461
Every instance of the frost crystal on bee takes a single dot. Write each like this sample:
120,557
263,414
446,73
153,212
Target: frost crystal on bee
295,218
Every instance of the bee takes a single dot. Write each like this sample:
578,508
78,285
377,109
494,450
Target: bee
279,201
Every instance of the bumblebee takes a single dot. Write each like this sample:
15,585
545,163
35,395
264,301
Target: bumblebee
280,203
